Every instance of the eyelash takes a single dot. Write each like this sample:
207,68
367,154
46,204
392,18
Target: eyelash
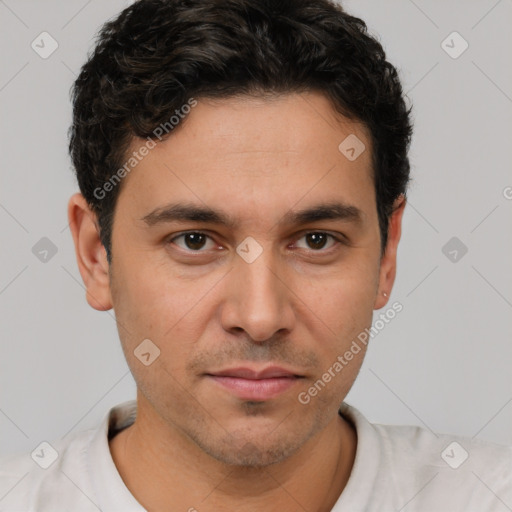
337,240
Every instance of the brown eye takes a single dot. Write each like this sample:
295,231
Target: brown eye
317,241
193,241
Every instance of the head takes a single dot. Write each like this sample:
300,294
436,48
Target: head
243,170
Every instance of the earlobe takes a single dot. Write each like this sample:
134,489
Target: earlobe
90,253
388,262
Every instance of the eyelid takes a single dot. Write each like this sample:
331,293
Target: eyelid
338,238
184,233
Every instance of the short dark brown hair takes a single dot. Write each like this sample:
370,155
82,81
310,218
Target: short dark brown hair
157,54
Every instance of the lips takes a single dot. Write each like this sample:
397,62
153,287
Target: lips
247,373
255,385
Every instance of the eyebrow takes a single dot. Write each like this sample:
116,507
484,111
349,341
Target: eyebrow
193,213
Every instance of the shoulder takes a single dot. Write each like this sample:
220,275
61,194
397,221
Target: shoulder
404,444
468,474
430,471
75,472
52,469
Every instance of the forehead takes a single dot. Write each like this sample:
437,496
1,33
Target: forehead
254,151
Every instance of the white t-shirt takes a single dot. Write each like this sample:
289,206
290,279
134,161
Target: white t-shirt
397,468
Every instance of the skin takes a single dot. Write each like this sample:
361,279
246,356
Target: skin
194,444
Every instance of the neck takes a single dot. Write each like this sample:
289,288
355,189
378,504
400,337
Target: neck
160,465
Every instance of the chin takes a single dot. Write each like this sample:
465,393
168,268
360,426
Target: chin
256,436
252,445
252,454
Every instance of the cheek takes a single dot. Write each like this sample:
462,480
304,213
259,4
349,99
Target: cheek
342,312
149,307
341,309
153,302
344,298
149,296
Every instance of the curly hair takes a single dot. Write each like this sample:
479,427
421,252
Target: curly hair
157,54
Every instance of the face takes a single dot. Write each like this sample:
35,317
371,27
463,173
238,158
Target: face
251,301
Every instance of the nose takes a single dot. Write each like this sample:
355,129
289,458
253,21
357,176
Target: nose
259,301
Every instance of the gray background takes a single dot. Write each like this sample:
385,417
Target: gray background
443,363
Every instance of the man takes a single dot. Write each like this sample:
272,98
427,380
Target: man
243,171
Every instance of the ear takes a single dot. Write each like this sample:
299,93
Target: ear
90,253
387,271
